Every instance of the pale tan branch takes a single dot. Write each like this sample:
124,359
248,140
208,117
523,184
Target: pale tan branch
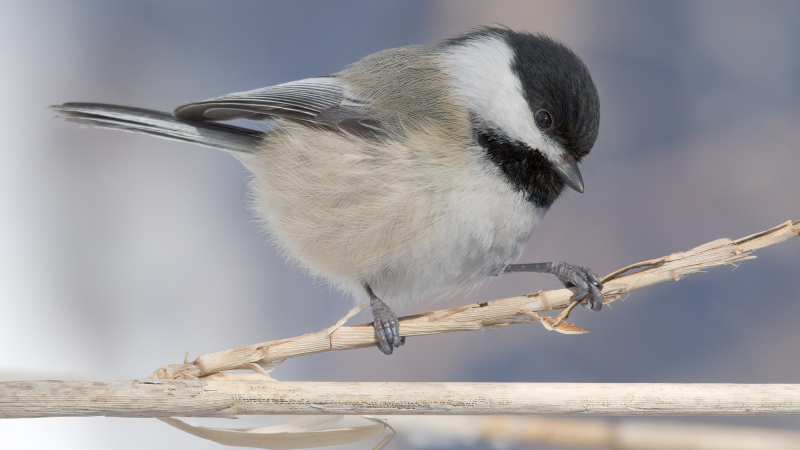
498,313
216,397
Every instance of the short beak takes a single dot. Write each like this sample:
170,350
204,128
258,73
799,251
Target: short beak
570,175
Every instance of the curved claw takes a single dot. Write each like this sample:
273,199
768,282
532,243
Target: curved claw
595,302
585,280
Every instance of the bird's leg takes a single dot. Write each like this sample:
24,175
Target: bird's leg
387,327
587,282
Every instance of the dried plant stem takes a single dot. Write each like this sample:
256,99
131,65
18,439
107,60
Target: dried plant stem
217,397
498,313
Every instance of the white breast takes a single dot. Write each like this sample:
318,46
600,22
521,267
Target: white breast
417,219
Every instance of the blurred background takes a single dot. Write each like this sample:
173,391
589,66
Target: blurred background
120,252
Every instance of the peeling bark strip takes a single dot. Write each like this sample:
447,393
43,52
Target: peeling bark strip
159,398
498,313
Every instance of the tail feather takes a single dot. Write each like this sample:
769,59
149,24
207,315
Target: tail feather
160,124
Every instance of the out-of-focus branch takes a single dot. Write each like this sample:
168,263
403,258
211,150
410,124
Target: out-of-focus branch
557,432
497,313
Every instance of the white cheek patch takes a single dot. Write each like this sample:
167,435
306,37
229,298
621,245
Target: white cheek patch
482,76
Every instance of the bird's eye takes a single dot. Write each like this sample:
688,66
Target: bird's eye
543,119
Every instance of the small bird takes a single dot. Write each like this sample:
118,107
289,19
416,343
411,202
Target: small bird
414,173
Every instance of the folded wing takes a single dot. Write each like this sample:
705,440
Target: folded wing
317,101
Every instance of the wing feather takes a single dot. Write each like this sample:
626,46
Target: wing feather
320,101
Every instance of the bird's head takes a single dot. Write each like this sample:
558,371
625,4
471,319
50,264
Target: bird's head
534,106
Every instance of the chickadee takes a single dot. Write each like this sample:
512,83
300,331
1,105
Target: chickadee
415,172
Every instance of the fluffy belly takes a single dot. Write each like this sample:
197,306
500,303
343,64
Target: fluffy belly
413,220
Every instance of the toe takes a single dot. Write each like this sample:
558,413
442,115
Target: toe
586,282
578,278
593,278
580,295
579,281
389,329
398,341
595,298
384,344
385,347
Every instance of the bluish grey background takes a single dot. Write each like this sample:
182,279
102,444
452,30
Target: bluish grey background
120,252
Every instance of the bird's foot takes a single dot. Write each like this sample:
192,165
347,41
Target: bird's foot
387,327
585,280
